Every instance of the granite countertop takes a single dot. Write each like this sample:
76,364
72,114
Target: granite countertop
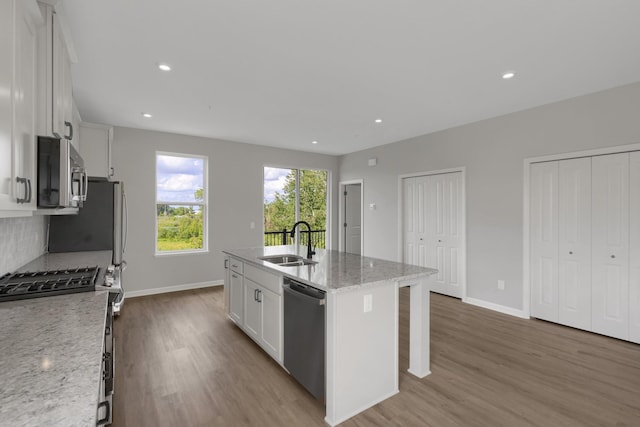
335,271
51,351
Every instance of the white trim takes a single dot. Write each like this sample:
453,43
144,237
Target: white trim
174,288
585,153
497,307
328,241
341,218
462,170
204,203
526,268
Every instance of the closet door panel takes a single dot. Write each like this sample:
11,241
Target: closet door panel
544,240
610,245
574,248
634,246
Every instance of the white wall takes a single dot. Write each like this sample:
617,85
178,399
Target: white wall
21,240
235,197
492,152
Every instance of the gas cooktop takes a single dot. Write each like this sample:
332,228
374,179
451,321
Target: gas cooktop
16,286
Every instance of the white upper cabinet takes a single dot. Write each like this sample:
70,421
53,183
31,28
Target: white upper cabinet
19,20
55,99
96,149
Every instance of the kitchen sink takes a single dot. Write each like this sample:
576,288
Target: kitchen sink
287,260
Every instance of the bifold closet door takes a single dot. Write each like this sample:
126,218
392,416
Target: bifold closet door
610,245
544,240
443,225
634,245
574,243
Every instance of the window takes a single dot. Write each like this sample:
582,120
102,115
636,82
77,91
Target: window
181,203
292,195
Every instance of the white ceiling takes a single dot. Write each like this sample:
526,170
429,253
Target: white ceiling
285,72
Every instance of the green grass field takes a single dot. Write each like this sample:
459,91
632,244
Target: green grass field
176,245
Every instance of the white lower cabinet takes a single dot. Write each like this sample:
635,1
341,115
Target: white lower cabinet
256,304
236,298
252,309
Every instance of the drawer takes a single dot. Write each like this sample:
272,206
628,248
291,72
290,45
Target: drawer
267,280
236,265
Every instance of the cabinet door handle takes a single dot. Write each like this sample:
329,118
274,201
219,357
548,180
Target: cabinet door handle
234,276
570,252
613,256
226,264
111,171
29,187
70,126
26,198
259,295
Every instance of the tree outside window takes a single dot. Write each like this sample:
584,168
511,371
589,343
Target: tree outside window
181,203
291,195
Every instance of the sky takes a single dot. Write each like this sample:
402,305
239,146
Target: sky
274,179
178,178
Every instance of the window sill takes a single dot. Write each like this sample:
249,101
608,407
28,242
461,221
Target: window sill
179,253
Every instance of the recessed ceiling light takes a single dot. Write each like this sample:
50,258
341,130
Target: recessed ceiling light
508,75
147,115
314,142
378,120
164,67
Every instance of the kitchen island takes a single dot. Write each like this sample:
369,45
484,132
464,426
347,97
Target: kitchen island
361,321
51,351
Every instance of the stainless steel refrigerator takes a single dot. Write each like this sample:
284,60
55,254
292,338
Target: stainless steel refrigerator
101,224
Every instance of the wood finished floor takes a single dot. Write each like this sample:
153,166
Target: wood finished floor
181,362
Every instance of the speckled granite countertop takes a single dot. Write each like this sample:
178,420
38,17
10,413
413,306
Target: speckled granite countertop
335,271
51,351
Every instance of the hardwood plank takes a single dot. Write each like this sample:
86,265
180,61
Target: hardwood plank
181,362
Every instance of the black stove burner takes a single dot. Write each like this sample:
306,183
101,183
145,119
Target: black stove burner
47,283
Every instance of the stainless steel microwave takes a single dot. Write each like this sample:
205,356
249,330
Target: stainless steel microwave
62,179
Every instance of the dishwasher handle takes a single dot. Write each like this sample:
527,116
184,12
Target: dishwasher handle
296,293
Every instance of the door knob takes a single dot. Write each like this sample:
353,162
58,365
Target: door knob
613,256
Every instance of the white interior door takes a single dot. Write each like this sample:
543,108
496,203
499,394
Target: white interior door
574,246
353,215
434,228
415,251
634,247
544,240
610,250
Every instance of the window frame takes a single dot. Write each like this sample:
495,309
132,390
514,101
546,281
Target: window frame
204,205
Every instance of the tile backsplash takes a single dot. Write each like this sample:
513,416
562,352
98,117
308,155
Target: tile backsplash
21,240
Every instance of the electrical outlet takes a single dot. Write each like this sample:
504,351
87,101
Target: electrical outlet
501,285
368,303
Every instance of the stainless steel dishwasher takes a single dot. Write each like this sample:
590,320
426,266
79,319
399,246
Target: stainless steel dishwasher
304,335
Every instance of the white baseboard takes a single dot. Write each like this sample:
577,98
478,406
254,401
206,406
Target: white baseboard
496,307
174,288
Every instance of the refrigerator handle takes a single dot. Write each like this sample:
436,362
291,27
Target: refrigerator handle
85,176
125,217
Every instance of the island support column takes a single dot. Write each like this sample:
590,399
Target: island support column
419,333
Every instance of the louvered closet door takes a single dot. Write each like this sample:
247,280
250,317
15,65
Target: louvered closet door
610,245
544,240
634,244
574,243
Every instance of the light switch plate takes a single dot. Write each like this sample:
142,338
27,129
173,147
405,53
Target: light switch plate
368,303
